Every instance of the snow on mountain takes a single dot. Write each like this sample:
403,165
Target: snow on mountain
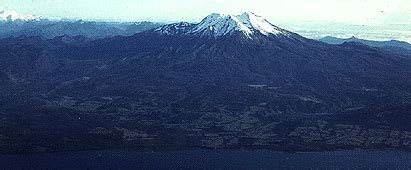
11,16
217,25
174,29
248,23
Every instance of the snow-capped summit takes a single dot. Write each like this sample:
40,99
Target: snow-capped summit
11,16
218,25
248,23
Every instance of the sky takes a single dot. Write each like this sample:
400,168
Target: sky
391,18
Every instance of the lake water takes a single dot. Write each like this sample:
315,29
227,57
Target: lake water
210,159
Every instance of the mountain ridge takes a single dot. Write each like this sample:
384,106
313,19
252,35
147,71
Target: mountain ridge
393,46
15,24
374,43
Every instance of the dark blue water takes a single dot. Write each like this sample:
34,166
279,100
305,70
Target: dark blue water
210,159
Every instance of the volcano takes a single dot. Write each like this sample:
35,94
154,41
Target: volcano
229,81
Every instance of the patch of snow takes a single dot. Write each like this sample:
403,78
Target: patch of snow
260,24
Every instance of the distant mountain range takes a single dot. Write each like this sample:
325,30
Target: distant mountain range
13,16
398,47
230,81
15,24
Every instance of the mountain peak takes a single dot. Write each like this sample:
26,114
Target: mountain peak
218,25
11,16
247,23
